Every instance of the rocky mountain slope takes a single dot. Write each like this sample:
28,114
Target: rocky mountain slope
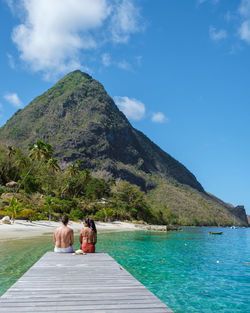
79,119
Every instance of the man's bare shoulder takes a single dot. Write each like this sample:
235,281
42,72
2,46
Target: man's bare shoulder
63,229
69,229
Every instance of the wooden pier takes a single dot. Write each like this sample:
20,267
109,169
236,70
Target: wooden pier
93,283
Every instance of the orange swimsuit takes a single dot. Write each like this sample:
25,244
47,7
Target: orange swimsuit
87,247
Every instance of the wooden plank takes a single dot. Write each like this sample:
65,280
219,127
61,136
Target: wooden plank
93,310
93,283
49,301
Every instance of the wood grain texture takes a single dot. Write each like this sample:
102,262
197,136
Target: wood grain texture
93,283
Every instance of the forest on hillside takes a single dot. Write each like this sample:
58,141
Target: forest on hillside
33,186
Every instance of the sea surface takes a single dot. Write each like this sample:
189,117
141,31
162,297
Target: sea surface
191,271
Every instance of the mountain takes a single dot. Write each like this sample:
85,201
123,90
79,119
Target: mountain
81,121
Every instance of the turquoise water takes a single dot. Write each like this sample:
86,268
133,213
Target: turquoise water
190,271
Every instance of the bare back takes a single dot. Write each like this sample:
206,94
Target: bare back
88,235
63,237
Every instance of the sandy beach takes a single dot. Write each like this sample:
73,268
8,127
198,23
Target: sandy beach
25,229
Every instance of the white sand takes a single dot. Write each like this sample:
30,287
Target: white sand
23,229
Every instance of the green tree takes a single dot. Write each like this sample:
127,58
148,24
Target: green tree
76,214
40,152
108,213
96,188
7,166
49,202
74,168
15,207
168,216
74,185
53,165
21,162
134,201
28,213
11,151
31,184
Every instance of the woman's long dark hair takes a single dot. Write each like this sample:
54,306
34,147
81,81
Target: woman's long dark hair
91,224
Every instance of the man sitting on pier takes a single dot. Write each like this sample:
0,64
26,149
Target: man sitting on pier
64,237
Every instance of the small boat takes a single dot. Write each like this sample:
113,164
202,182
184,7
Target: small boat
234,225
219,233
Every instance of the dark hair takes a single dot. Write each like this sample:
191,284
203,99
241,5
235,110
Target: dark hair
65,220
91,224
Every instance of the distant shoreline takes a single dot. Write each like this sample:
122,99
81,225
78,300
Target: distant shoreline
24,229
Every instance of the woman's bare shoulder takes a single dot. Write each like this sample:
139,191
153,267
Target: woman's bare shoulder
85,230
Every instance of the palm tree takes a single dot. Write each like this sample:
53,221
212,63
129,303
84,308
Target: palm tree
40,151
15,207
10,151
53,165
86,174
48,203
21,163
74,168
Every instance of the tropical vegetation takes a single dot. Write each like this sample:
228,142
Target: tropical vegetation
45,191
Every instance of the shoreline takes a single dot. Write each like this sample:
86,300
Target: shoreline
24,229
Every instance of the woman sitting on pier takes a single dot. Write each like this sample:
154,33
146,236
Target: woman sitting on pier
88,236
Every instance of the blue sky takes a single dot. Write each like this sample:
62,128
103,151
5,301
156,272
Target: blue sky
179,70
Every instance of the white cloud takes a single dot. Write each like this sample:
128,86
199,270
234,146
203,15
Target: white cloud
125,21
132,108
54,31
53,35
159,117
13,99
106,59
11,4
124,65
244,8
217,35
244,29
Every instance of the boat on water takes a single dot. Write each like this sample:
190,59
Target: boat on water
219,233
234,225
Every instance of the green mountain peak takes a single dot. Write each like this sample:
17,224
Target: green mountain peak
73,79
81,121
